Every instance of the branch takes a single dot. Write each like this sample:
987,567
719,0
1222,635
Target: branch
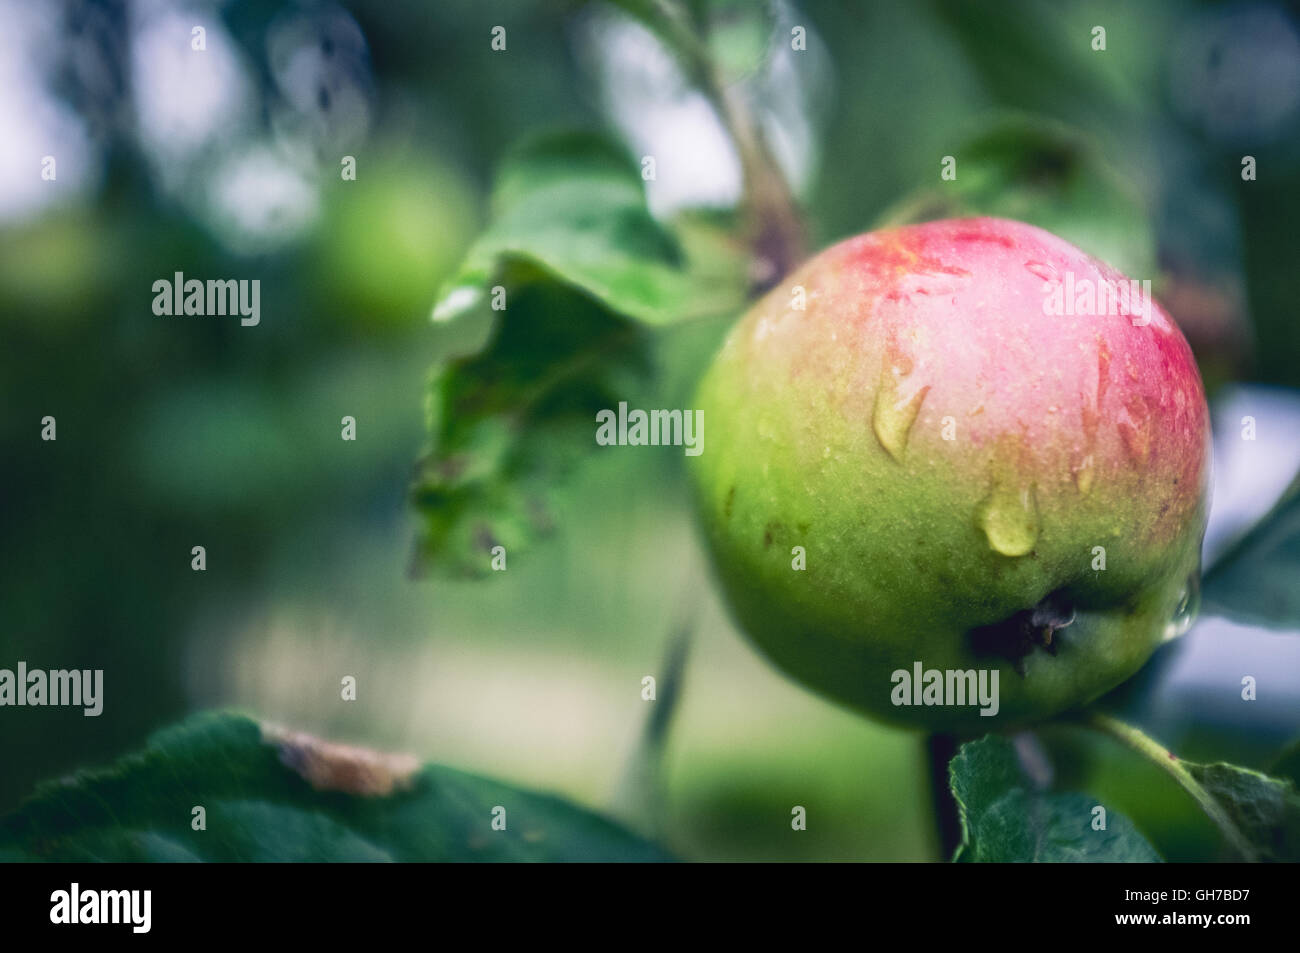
776,230
1137,740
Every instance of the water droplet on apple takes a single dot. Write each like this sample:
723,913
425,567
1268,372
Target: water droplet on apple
1189,604
1083,474
898,401
1042,269
1009,518
1135,429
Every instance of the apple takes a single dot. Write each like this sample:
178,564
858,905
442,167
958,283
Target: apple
950,451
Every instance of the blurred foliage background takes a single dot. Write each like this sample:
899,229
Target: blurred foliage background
176,432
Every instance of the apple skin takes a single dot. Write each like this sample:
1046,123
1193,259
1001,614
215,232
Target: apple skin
949,456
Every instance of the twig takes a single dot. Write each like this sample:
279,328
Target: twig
777,234
1137,740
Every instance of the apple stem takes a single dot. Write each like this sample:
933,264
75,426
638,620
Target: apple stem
640,794
777,235
1140,742
776,228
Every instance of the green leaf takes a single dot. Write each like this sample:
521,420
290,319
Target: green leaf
1287,764
1006,819
572,205
273,795
1265,809
510,422
731,38
1047,174
742,35
1255,580
589,279
1038,55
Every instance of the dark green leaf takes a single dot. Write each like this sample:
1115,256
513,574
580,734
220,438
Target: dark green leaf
1265,809
1046,174
1005,818
1256,579
509,422
1287,764
271,795
1038,55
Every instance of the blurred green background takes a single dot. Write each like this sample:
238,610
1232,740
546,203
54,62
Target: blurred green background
176,432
